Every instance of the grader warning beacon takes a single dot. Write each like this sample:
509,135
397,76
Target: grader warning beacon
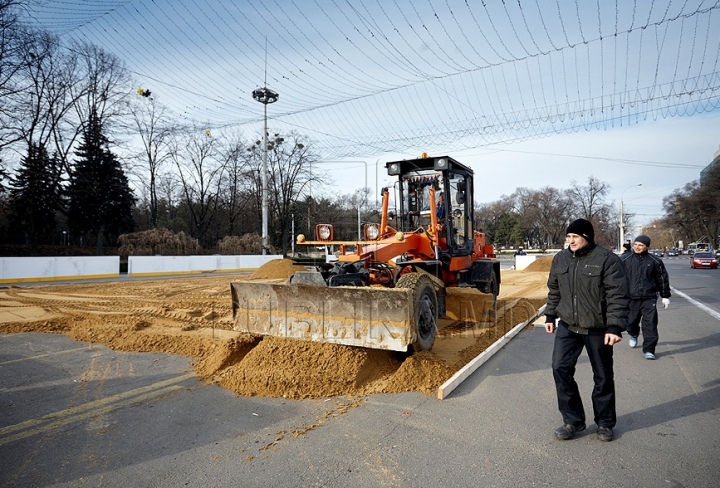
388,290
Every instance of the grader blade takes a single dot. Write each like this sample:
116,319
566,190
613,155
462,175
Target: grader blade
371,317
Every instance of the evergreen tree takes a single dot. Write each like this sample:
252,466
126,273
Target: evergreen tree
35,196
100,199
509,230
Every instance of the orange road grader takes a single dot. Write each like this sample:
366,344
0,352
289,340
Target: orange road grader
388,290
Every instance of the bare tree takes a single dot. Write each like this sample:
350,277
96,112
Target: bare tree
607,226
12,47
36,99
239,197
196,158
47,91
155,129
169,196
588,201
253,176
694,211
289,165
544,215
525,201
57,88
40,97
97,82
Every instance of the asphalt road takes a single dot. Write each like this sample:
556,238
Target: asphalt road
76,414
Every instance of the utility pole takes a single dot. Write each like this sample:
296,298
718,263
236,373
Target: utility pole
265,96
622,217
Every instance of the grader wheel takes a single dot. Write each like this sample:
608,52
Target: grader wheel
424,307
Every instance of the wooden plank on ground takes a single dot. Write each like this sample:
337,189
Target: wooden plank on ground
478,361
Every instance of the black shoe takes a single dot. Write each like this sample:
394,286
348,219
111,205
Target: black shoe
568,431
605,434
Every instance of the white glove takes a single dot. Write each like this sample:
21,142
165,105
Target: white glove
666,302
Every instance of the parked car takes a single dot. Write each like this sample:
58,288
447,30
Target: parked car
658,252
672,252
703,260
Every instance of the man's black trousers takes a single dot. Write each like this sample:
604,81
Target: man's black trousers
644,310
567,349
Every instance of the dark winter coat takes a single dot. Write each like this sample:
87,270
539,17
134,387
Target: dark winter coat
588,289
647,276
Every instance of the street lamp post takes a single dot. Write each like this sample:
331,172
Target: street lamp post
622,217
265,96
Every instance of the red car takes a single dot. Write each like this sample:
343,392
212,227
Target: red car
703,260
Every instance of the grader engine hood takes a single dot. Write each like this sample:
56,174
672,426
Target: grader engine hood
371,317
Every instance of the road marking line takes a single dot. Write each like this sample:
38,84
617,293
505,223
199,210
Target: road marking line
688,376
92,406
42,355
697,304
84,415
697,388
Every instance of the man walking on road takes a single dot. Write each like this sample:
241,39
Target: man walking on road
647,278
588,292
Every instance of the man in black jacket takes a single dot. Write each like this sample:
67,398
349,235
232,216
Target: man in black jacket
588,292
647,278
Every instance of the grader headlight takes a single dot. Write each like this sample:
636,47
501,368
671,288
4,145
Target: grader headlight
371,232
394,169
324,232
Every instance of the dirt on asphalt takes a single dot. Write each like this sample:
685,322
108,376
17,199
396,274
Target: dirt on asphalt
192,316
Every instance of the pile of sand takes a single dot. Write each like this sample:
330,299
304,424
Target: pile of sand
276,269
540,264
193,317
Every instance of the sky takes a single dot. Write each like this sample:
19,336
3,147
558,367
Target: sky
532,93
663,156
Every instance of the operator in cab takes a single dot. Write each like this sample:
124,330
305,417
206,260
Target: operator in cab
440,207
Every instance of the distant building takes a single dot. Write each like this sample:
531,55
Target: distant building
703,175
706,170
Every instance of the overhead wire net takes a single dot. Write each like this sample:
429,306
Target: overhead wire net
366,77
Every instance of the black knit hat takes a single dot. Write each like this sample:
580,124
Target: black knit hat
643,239
583,228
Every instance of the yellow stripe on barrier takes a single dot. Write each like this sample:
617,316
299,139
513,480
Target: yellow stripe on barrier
59,278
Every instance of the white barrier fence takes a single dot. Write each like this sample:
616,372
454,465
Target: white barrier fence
53,268
165,265
522,262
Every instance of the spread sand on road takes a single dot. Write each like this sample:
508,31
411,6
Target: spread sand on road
193,317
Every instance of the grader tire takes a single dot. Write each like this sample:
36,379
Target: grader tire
425,309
